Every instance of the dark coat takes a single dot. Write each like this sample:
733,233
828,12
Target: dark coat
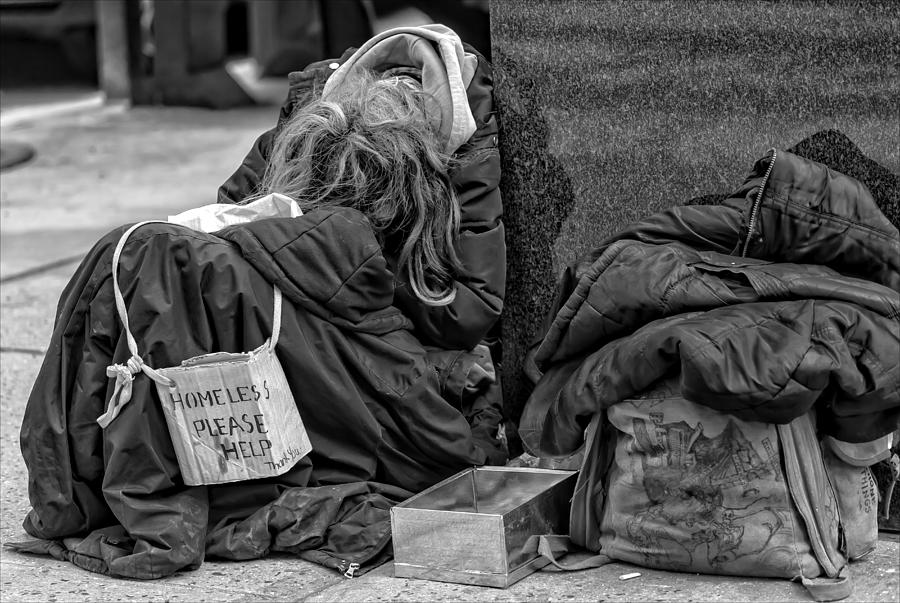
763,320
383,416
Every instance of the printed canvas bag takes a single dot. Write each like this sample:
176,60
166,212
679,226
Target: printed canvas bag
673,485
231,416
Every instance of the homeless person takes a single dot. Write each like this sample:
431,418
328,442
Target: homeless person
386,294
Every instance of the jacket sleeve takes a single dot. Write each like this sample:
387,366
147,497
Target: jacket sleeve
481,285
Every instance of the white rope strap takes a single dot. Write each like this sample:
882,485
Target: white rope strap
124,373
276,319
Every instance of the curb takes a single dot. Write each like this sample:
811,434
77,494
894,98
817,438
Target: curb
17,116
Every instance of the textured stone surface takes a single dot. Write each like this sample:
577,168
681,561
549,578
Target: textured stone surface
611,111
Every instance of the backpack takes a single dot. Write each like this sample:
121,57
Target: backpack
672,485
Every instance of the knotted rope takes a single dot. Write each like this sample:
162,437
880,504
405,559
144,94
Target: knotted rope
124,373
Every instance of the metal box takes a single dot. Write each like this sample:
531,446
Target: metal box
481,525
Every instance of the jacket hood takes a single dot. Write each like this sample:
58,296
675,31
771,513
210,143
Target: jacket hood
797,210
328,261
446,69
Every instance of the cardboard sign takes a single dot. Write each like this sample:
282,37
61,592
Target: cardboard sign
232,417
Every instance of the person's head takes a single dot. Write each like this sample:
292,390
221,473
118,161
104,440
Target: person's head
371,147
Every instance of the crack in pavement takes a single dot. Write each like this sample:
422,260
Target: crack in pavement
42,268
29,351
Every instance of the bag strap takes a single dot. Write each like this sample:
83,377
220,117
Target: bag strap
813,497
124,373
276,318
830,589
120,300
550,546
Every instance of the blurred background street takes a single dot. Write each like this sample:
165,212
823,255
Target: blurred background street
105,107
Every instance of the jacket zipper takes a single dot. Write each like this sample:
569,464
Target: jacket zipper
754,210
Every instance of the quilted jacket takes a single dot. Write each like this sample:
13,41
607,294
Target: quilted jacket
781,299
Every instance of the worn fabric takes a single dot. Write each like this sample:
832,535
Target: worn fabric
767,320
382,414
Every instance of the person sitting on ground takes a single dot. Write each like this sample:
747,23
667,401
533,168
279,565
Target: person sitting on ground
387,412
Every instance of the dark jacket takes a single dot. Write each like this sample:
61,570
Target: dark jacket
781,299
383,418
476,177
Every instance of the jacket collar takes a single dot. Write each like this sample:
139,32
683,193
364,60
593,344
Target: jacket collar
796,210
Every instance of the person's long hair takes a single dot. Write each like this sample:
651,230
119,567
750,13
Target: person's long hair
372,148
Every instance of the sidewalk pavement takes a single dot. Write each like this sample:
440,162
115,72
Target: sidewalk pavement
107,165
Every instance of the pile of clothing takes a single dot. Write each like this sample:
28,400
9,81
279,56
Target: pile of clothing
780,298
